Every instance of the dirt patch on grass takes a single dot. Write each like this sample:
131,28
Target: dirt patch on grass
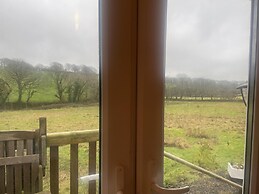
198,133
177,142
204,122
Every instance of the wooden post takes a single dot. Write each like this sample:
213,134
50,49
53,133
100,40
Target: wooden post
10,169
54,140
54,170
74,168
42,146
92,167
2,169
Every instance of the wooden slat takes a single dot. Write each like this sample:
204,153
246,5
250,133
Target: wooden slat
36,143
92,166
43,147
18,168
9,169
54,170
15,160
18,178
2,170
74,168
34,175
43,125
40,181
20,148
16,135
27,178
43,151
75,137
29,146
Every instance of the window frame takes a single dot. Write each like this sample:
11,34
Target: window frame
132,33
118,66
251,183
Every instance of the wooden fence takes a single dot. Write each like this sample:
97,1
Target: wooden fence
55,140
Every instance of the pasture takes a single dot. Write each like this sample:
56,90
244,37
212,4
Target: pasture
208,134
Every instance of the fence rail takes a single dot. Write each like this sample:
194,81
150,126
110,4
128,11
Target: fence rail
202,170
55,140
75,137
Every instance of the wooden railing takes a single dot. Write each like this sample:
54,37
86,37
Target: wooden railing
55,140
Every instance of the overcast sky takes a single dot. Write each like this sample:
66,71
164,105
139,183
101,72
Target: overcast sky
205,38
208,38
43,31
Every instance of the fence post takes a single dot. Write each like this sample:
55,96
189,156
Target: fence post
54,170
92,167
43,143
74,168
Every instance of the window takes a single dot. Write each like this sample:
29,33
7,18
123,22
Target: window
205,118
49,60
132,95
132,51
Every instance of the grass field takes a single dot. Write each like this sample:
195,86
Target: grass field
58,120
208,134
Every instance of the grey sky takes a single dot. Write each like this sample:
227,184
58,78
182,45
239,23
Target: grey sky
208,38
205,38
43,31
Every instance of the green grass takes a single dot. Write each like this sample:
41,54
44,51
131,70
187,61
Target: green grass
204,133
63,119
58,120
212,134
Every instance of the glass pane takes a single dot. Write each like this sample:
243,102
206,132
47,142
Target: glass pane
206,73
50,68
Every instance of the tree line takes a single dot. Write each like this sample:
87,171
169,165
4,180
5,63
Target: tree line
72,83
80,83
183,87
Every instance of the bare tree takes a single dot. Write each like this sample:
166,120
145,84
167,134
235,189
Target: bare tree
60,77
82,84
20,73
203,88
31,89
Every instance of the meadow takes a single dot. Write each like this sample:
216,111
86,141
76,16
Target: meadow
209,134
